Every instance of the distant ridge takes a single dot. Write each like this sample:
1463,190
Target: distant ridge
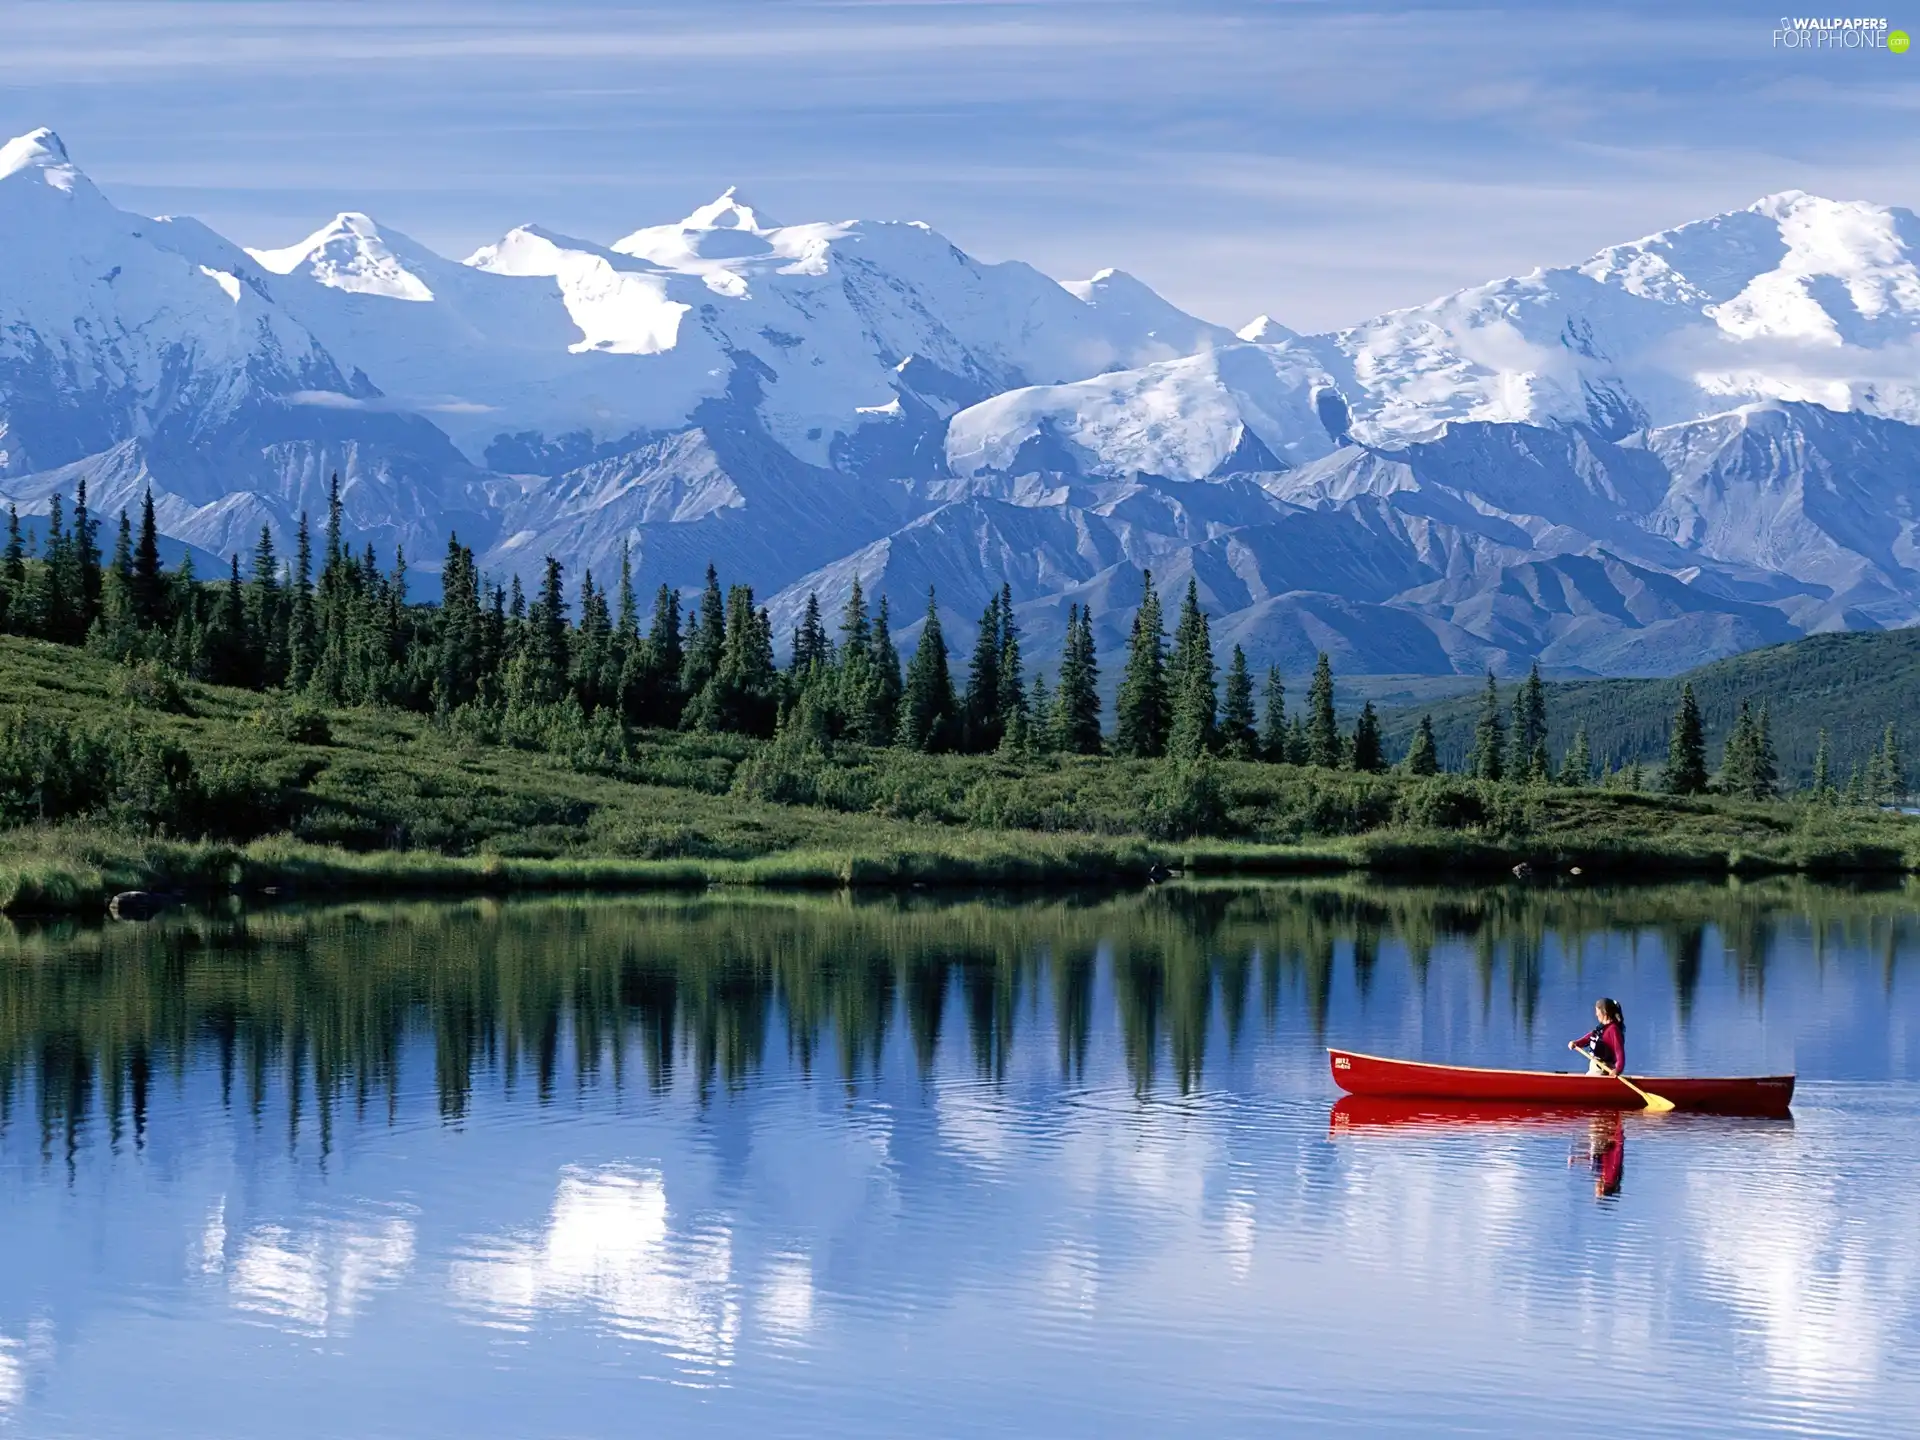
1850,684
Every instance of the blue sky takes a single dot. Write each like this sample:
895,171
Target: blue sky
1320,162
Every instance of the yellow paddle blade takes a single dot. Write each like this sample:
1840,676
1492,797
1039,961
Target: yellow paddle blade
1659,1104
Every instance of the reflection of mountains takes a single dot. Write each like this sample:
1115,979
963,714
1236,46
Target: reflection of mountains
325,999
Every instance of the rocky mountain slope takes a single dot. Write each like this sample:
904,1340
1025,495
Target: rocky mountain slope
1695,443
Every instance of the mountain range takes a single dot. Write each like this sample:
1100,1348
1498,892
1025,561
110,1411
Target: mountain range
1686,446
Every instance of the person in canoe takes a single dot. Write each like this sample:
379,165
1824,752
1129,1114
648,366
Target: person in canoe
1605,1046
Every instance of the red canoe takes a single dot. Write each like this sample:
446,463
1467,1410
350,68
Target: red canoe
1411,1079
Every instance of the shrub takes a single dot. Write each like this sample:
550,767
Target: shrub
149,685
295,723
1186,801
1440,803
153,784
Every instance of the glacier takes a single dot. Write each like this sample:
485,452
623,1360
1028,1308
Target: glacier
1686,445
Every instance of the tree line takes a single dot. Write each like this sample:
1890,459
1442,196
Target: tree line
337,629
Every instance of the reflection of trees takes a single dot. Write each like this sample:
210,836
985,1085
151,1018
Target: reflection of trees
1684,943
1072,1009
320,1006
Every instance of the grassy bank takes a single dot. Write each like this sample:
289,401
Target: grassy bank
221,789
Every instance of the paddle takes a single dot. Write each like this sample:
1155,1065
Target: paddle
1657,1104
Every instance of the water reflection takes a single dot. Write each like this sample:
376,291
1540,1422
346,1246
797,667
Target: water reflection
313,1280
1606,1154
608,1248
544,998
1060,1165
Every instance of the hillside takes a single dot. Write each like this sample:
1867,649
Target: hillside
1851,683
112,778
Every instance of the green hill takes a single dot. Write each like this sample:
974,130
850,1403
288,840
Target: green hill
114,778
1851,683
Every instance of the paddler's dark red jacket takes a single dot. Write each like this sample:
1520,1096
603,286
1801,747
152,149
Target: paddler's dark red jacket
1607,1042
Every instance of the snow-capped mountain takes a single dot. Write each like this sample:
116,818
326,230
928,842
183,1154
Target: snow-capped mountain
1796,298
845,327
1696,442
137,351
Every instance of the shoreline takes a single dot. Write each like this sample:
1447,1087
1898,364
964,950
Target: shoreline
78,872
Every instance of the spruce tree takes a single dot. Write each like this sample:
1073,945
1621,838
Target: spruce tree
1013,685
706,639
1368,756
591,648
1040,707
1076,703
1273,719
55,601
13,576
336,539
856,630
1299,745
266,640
1738,758
1823,767
1686,747
115,633
1766,763
650,679
547,637
854,676
741,697
1238,738
457,666
1892,777
1423,755
811,645
149,583
927,707
227,649
186,646
1190,677
1577,767
1323,728
1142,708
1529,745
981,719
300,621
1488,758
84,585
880,715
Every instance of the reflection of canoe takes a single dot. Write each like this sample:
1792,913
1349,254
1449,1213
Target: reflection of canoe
1353,1113
1411,1079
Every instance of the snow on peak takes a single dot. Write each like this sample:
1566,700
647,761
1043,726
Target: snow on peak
729,212
716,240
1182,418
39,151
1265,330
1163,329
1106,284
1780,203
350,253
1795,298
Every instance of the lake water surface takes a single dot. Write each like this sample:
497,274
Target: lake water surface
774,1166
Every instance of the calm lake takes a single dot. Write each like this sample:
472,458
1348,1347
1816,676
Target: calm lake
769,1166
